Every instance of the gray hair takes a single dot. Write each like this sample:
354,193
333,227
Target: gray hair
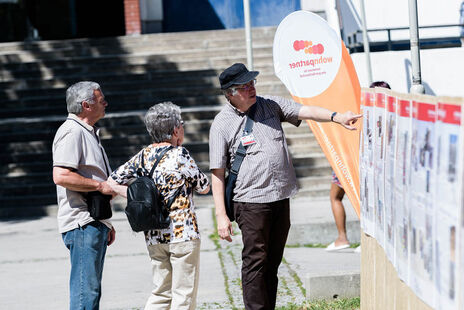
231,91
161,119
78,93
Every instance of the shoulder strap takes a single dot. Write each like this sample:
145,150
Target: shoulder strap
157,159
99,144
150,175
241,151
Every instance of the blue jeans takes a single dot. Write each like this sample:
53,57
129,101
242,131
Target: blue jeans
87,248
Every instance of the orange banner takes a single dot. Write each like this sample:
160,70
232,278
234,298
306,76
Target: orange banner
340,146
313,63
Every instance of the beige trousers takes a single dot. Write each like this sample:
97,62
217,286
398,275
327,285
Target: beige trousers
175,275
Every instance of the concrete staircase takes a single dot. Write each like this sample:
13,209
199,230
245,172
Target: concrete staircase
135,73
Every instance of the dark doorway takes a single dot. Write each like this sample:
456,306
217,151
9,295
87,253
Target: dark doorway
102,18
61,19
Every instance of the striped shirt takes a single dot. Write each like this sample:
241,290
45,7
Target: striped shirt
266,174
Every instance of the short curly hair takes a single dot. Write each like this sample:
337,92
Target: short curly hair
78,93
161,119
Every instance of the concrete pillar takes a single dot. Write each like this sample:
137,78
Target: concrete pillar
132,17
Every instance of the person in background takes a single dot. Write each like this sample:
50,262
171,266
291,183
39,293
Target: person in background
174,251
336,196
80,165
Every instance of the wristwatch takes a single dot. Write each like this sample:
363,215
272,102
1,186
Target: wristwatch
333,115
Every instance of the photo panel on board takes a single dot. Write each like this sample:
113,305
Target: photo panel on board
423,152
390,153
368,159
448,200
379,164
401,186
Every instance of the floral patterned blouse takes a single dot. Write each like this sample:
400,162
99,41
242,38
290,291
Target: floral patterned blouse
176,169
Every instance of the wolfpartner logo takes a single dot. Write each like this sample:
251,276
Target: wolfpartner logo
309,48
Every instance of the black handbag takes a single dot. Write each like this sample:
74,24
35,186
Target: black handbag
233,172
99,205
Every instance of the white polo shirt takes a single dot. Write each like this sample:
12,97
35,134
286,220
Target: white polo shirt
76,146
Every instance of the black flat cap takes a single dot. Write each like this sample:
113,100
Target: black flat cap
237,74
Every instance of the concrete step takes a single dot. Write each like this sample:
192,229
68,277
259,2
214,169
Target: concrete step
67,59
40,160
170,53
127,100
125,65
121,124
20,89
113,125
306,154
179,40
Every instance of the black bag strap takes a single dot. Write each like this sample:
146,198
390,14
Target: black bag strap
150,175
241,150
158,157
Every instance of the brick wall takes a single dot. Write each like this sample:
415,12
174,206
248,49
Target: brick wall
132,17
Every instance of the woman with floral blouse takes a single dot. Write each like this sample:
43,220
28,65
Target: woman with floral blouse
174,251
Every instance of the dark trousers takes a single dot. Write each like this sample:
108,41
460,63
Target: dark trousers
264,229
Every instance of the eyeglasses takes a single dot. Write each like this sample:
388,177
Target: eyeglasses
246,87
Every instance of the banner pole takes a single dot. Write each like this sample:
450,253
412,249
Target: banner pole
417,87
366,43
246,11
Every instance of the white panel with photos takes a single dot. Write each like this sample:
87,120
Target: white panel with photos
390,152
401,188
423,150
367,166
447,201
379,167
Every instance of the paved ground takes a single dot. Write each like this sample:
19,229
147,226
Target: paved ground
34,264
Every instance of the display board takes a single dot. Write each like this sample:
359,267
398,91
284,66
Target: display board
419,220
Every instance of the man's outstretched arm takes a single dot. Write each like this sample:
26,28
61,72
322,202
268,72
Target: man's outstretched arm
320,114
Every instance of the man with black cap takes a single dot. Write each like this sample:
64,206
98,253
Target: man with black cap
266,178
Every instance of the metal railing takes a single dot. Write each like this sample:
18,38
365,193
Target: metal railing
353,44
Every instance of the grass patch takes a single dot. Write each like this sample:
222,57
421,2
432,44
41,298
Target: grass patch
215,238
295,277
339,304
285,286
308,245
316,245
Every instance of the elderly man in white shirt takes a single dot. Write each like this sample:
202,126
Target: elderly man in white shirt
80,169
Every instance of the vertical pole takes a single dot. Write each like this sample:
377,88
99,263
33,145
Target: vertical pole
334,18
366,44
417,87
73,20
246,9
